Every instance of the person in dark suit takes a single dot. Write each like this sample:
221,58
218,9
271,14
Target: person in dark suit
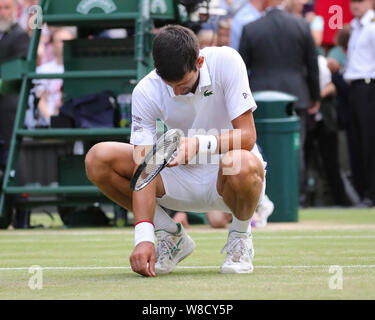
14,43
280,54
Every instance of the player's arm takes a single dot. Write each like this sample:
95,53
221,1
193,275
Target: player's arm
143,200
144,118
242,137
143,257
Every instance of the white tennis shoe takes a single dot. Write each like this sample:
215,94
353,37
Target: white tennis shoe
171,248
240,253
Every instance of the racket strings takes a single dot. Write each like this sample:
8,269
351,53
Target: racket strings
164,150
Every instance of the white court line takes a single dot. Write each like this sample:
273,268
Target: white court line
195,238
316,237
359,266
296,237
59,240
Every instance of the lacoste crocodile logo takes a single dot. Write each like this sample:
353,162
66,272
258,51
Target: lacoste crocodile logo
207,93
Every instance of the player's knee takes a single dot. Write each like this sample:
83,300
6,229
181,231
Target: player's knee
247,170
252,167
252,171
229,163
95,162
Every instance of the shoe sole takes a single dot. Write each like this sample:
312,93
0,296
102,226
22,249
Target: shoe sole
228,270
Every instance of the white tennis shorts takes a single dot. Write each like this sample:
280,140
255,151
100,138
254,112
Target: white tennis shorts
192,188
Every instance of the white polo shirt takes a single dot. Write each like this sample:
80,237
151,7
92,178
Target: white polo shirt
223,94
361,48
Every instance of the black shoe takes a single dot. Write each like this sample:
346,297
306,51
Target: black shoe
365,203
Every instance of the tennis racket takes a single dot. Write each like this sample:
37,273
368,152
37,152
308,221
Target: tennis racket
161,154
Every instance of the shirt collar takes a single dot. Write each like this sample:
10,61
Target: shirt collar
204,80
204,77
279,7
365,20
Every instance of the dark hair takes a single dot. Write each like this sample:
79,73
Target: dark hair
175,51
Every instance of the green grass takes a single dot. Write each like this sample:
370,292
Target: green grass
338,216
289,264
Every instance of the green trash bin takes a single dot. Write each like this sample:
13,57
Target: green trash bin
278,130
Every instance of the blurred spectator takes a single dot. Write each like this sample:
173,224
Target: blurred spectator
209,17
226,5
49,91
337,56
250,11
219,219
26,21
45,49
337,61
207,38
295,7
280,54
323,131
301,8
360,74
14,43
316,26
232,6
25,14
223,33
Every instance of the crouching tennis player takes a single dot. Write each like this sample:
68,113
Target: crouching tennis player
198,91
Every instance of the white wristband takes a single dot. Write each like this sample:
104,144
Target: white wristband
207,144
144,231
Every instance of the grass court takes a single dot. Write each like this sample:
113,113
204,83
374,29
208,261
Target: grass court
328,254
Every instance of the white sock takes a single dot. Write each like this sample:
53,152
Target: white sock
163,221
240,225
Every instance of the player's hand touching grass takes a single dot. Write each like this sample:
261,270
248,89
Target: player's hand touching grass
142,259
188,149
